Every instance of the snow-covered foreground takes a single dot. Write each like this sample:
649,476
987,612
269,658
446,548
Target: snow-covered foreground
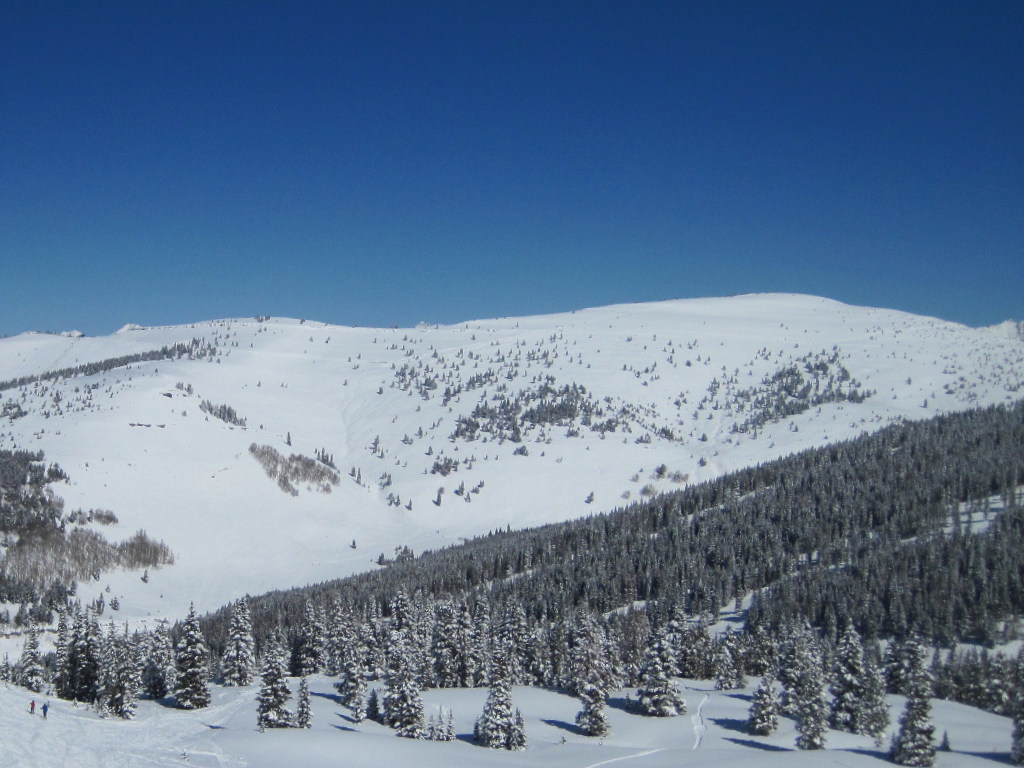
712,733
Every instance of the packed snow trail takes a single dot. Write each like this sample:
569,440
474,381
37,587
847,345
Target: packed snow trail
699,729
626,757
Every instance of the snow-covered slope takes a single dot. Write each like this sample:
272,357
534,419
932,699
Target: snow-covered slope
609,405
712,733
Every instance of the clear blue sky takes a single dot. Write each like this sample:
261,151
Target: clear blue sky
383,163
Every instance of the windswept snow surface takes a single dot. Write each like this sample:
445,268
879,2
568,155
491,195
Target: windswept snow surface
134,439
225,736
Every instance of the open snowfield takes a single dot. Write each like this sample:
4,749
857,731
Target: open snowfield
711,734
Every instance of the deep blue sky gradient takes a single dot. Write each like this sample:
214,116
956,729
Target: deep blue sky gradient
384,163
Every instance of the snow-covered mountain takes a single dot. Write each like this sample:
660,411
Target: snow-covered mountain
219,437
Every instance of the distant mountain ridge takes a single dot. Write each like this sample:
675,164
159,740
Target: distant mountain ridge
271,453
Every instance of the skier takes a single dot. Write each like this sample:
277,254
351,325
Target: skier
46,708
32,707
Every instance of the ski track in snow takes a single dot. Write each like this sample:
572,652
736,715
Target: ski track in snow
626,757
699,729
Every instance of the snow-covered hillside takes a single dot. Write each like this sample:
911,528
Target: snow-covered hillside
442,433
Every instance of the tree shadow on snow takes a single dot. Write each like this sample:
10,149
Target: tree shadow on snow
995,757
573,729
731,724
329,696
758,745
880,754
622,703
741,696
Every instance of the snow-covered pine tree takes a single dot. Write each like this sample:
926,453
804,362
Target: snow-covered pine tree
511,638
119,684
403,706
808,693
479,643
308,653
1017,713
303,713
494,726
448,655
271,701
30,670
847,686
517,734
373,707
593,695
192,658
874,715
896,665
586,656
60,675
913,743
340,641
696,652
158,672
728,664
658,695
239,659
85,650
589,674
764,708
352,686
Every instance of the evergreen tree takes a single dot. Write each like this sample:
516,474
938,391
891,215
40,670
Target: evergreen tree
352,686
60,676
308,652
658,695
120,676
808,693
303,713
696,652
913,743
848,685
592,719
588,663
874,711
192,690
239,658
271,701
496,724
373,707
158,671
517,734
30,670
728,664
1017,712
85,651
403,706
448,650
764,708
511,638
